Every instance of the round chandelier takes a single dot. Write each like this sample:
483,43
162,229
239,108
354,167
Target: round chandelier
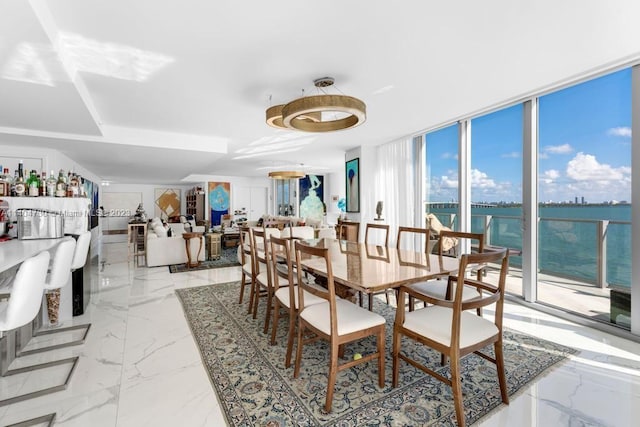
286,174
318,113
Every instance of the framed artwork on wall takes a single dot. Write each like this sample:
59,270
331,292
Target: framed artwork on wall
352,174
167,202
312,197
219,200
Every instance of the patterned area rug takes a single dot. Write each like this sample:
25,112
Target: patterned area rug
254,388
228,258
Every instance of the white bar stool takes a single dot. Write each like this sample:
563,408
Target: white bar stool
70,255
23,306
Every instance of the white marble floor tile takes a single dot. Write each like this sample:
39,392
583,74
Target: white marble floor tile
140,366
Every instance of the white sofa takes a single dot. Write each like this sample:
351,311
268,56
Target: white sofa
163,250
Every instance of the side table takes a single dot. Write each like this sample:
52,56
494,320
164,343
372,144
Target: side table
187,244
137,240
214,244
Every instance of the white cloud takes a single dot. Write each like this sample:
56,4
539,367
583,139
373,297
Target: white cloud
550,176
585,167
481,180
620,131
558,149
511,155
447,182
449,156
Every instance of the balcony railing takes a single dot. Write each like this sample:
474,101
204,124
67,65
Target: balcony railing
597,252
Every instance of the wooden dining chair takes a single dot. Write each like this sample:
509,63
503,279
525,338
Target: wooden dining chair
260,248
453,328
416,232
285,290
449,244
370,235
246,260
334,320
349,230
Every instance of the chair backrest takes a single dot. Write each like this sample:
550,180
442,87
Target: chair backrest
329,233
260,248
61,266
349,230
422,233
373,234
322,260
490,293
450,243
299,232
82,249
26,292
245,244
281,249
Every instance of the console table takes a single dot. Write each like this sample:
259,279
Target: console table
187,244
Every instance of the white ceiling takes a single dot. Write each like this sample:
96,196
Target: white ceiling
147,91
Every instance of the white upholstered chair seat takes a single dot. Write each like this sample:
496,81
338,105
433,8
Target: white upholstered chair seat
435,322
329,233
300,232
351,318
309,299
247,268
438,289
262,278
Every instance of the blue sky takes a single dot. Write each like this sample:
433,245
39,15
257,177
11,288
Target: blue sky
584,148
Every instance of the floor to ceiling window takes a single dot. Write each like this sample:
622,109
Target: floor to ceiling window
441,154
584,234
496,184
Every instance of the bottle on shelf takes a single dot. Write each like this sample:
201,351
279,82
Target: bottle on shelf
5,183
20,185
51,185
33,184
14,180
73,186
42,188
61,185
81,190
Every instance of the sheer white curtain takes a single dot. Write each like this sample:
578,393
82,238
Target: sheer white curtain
399,183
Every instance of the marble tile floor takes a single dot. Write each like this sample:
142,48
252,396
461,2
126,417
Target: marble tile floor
140,366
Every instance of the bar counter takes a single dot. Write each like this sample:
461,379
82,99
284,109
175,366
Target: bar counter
13,252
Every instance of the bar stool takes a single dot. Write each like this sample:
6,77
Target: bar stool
70,256
21,308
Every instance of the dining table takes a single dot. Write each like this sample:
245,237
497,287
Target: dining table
371,269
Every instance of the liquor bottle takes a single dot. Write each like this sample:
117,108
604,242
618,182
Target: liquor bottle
42,184
61,185
33,184
20,187
73,186
14,180
51,185
81,190
5,183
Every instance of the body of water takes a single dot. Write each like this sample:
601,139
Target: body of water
568,238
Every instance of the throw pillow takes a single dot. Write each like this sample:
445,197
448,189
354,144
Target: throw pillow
160,230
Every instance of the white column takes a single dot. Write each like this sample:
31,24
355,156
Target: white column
530,200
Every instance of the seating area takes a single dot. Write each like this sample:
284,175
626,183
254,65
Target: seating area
291,273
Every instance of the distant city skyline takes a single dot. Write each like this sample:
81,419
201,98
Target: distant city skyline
584,148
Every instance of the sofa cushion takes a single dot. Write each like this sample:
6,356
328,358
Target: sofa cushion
160,230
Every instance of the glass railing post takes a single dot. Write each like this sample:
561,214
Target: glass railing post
487,229
602,253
